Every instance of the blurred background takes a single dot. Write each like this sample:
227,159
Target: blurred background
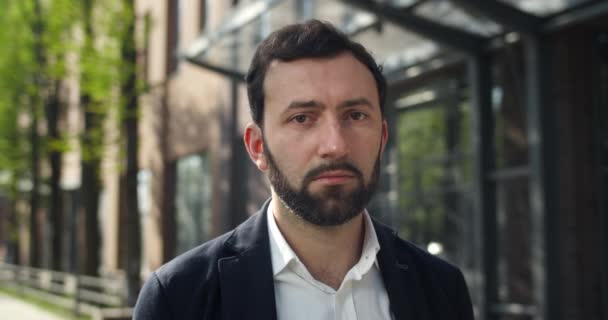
121,141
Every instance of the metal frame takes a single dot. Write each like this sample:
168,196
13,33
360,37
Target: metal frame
452,37
503,13
242,16
582,12
238,194
601,143
480,79
223,71
542,136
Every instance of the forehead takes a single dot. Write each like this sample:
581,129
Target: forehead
327,80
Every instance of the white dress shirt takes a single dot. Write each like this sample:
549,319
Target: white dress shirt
299,296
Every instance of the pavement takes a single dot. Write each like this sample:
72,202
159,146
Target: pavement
15,309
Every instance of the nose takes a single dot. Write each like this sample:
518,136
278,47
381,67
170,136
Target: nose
333,142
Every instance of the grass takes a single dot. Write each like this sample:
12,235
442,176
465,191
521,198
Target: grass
41,303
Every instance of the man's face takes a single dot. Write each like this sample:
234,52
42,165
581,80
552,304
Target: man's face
323,136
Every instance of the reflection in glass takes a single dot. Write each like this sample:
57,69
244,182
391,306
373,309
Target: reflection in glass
543,7
514,247
193,201
434,167
444,12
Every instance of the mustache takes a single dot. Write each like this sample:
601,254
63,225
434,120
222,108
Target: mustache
342,165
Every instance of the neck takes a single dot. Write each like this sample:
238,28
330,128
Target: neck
314,244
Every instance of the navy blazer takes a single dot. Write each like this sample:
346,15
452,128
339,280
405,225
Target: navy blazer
231,278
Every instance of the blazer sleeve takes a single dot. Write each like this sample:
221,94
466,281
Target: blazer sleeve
152,303
464,299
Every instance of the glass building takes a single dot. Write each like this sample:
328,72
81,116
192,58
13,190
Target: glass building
498,153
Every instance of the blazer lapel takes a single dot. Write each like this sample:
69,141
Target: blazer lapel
246,281
401,280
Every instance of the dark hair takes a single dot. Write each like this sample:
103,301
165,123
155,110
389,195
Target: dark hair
311,39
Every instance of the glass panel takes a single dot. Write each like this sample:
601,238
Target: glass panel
444,12
193,201
434,166
509,111
543,7
514,247
391,45
236,36
401,3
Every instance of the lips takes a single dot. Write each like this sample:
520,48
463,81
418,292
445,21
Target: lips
334,176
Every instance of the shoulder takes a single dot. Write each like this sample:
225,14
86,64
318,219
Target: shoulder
413,254
173,290
188,286
434,273
196,263
423,258
443,283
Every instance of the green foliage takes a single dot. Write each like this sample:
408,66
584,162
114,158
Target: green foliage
103,68
428,170
67,52
421,143
58,38
17,69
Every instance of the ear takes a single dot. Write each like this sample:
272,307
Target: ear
384,136
254,143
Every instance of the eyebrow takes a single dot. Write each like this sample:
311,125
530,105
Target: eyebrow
356,102
298,104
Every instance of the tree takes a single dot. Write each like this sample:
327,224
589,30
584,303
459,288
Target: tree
91,141
61,18
129,90
33,64
36,100
14,68
105,70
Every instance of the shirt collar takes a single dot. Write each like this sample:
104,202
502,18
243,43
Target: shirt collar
282,254
280,251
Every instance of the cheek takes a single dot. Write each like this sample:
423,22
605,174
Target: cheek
289,161
366,156
294,153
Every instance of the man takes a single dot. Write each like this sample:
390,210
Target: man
312,251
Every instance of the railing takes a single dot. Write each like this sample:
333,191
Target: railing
101,298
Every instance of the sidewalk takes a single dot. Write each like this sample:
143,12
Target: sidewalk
14,309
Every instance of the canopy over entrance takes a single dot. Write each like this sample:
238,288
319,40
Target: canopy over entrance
400,33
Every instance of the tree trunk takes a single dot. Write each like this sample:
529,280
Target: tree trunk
35,245
90,189
129,94
55,217
34,199
14,242
89,250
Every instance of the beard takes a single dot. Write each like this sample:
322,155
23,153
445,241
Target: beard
333,205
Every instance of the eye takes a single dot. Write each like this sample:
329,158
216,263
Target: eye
301,118
356,115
